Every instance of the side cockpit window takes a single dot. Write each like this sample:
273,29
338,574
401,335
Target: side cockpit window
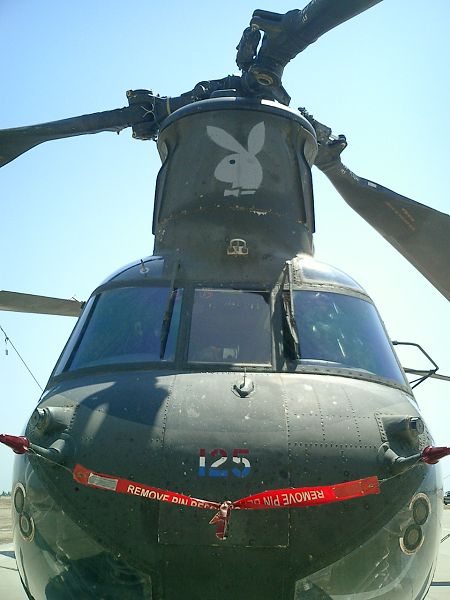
230,326
343,331
126,325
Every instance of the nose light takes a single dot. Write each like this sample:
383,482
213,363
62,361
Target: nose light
412,539
420,507
26,526
19,498
416,424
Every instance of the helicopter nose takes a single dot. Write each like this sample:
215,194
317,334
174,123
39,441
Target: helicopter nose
206,436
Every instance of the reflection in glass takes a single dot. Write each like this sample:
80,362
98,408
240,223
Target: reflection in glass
130,325
230,326
343,331
316,271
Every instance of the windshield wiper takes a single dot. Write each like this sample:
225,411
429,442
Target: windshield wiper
289,323
167,318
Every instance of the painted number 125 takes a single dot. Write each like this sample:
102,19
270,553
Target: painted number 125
220,457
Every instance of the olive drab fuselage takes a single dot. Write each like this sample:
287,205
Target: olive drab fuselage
228,363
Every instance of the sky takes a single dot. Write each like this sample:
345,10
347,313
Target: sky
74,210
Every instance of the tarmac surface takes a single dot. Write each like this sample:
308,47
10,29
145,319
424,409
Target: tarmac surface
5,521
440,588
11,588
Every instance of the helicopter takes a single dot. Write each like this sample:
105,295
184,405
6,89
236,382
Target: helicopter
241,388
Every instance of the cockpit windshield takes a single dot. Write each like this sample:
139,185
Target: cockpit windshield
230,326
343,331
131,324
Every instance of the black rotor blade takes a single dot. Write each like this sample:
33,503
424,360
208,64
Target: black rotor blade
300,28
16,141
420,233
29,303
319,16
286,35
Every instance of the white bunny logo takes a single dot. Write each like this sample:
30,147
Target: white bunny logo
242,169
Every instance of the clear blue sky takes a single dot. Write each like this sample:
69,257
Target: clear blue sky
73,211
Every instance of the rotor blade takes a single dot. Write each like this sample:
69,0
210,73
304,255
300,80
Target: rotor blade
420,233
16,141
29,303
319,16
289,34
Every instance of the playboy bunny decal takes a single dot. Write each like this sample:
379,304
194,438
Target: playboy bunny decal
242,169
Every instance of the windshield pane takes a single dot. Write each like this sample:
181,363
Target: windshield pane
344,331
130,325
230,327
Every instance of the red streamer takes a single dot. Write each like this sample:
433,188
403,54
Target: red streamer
281,498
